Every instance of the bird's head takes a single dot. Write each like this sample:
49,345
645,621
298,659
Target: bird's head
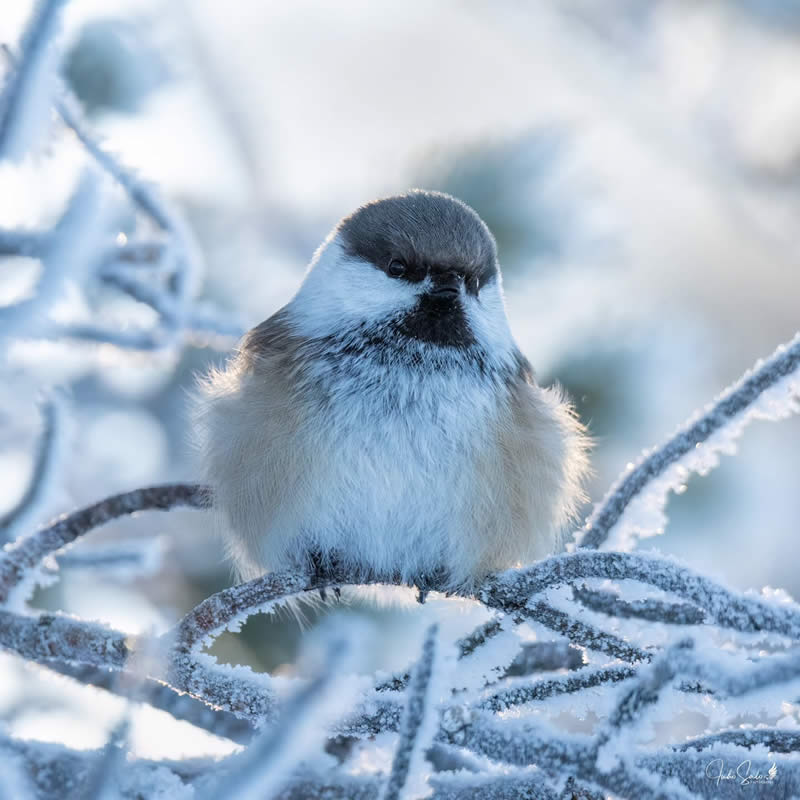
420,266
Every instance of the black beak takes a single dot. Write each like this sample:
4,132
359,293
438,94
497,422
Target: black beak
447,286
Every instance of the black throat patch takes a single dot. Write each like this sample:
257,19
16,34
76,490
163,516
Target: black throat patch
438,321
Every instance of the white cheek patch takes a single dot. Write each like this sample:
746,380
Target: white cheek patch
340,291
486,315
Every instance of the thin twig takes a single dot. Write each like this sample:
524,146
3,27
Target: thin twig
581,633
44,468
520,693
649,608
776,740
418,707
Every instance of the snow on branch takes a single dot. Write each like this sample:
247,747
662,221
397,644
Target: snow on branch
523,692
769,391
160,695
69,256
57,771
580,633
411,744
189,263
44,469
528,742
55,636
649,608
20,557
510,591
268,762
776,740
27,97
178,257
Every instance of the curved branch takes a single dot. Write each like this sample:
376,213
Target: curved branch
25,554
43,470
733,401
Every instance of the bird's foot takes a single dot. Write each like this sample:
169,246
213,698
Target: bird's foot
431,581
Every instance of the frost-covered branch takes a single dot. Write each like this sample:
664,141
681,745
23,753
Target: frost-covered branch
528,742
532,656
177,318
269,760
650,608
136,254
70,255
582,633
145,196
732,411
25,554
376,713
635,697
480,636
102,777
29,90
509,591
159,695
544,657
515,786
44,468
767,671
31,244
58,637
521,692
522,784
96,655
57,771
237,690
126,559
775,740
412,742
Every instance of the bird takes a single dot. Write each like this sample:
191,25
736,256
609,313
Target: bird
384,421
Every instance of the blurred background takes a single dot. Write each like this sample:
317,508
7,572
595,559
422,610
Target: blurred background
638,162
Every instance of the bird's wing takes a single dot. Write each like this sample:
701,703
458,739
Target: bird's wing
544,449
250,414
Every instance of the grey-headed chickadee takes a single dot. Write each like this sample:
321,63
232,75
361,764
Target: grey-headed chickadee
385,417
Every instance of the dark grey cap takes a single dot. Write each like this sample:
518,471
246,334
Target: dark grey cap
427,231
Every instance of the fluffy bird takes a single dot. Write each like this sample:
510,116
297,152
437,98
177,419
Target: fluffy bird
384,419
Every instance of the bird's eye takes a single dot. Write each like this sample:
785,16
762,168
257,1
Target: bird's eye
473,284
396,269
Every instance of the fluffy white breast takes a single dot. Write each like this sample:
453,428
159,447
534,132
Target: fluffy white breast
401,444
